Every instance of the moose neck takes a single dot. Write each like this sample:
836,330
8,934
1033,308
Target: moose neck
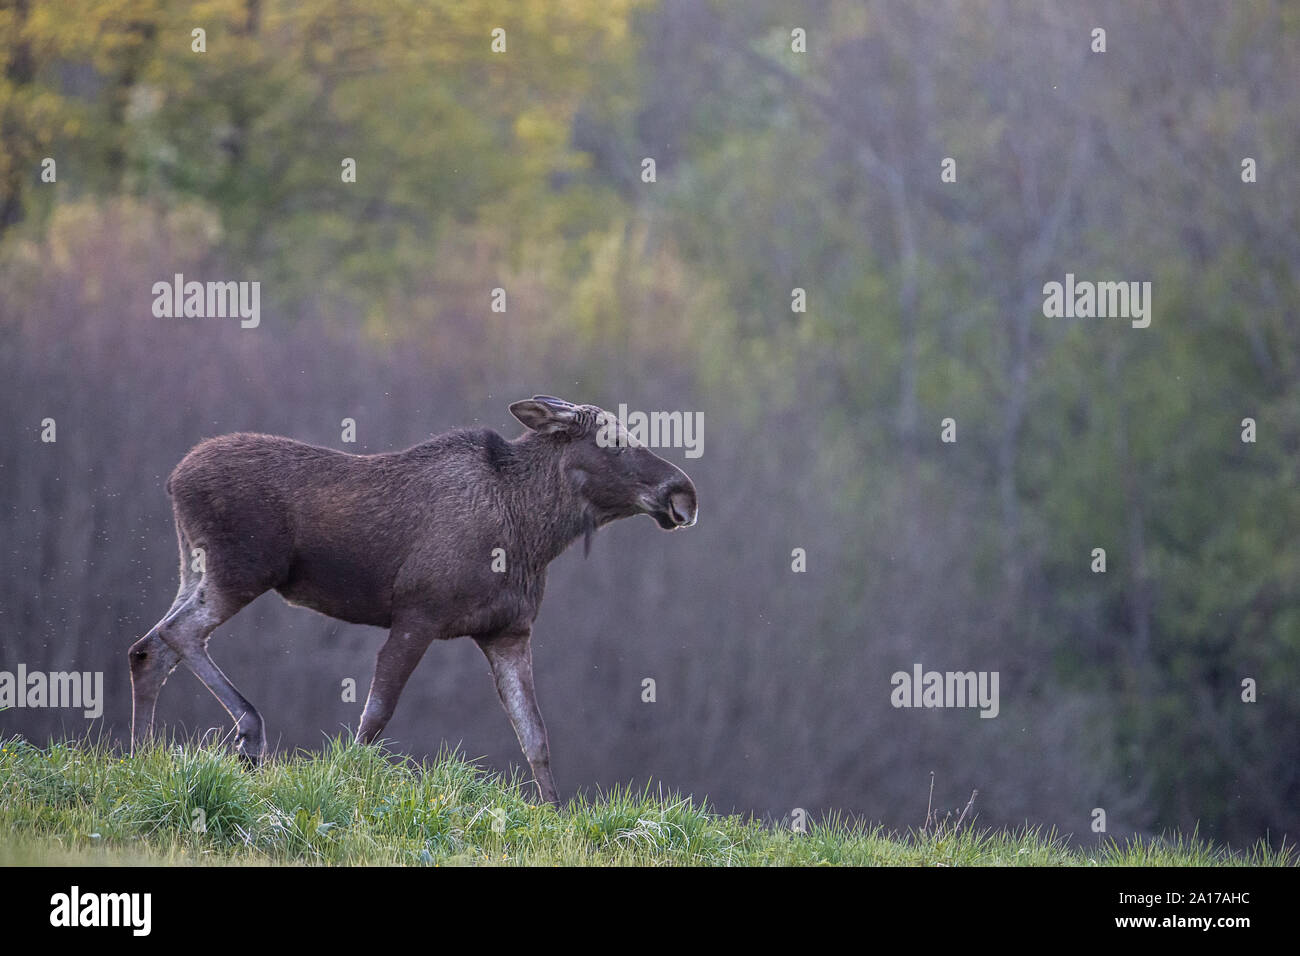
545,512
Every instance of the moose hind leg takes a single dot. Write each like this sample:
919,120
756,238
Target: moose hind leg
152,661
186,633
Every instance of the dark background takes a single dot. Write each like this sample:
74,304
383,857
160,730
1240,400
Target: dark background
775,170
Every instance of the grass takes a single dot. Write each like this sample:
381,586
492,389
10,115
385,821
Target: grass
185,804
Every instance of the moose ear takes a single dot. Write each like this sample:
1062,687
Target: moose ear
545,414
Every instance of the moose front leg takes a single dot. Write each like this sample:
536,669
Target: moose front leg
511,657
406,644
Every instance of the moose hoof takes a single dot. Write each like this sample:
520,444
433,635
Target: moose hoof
250,748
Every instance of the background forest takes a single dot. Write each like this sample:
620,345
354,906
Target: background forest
774,170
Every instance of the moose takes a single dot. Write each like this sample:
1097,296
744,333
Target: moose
449,538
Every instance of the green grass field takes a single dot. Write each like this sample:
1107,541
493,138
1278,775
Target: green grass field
85,803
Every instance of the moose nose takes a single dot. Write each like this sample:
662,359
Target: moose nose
682,506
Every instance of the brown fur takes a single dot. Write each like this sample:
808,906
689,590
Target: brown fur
402,540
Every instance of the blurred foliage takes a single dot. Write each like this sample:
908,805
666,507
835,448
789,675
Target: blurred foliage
521,170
